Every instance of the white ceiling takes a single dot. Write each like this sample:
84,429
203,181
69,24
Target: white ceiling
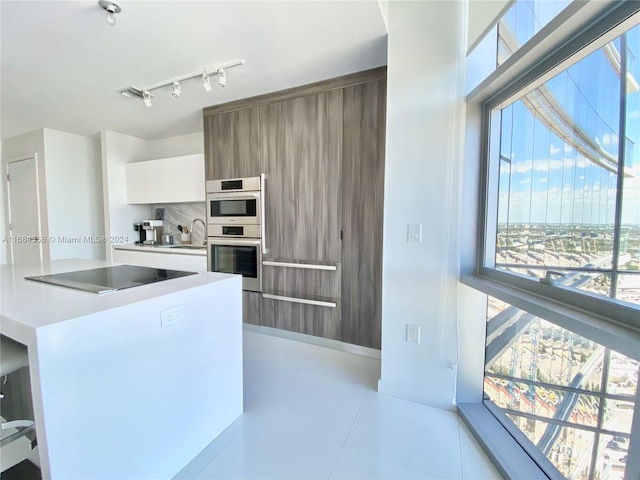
61,64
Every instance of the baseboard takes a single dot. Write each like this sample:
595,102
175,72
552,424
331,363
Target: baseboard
319,341
407,391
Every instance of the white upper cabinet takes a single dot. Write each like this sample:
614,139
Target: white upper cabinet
167,180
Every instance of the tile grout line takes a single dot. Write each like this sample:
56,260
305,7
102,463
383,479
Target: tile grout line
414,467
402,463
225,445
344,444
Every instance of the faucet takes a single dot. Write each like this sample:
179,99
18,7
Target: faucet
204,238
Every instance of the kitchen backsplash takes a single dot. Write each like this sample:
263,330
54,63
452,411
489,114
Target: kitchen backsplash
183,214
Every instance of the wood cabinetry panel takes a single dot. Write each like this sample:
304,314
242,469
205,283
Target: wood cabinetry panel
232,144
362,206
251,307
323,283
302,150
297,317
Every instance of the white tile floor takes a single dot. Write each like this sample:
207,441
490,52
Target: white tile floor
313,412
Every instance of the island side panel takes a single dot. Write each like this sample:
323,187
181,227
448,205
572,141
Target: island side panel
124,398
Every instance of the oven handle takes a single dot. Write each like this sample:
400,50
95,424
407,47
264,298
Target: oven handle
233,196
263,199
231,241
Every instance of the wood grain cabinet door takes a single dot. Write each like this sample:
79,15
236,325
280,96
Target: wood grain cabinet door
232,144
362,205
302,150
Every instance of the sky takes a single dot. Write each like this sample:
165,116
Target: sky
548,180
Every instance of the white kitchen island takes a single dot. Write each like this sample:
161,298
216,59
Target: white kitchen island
117,393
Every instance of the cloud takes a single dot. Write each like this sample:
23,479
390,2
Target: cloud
543,180
547,164
553,150
609,139
634,114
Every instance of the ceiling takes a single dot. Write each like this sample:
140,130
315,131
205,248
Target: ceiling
61,64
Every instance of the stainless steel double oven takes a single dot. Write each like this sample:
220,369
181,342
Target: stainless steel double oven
235,216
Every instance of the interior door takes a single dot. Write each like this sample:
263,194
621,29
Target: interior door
24,224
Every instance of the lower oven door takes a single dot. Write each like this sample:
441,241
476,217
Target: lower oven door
240,256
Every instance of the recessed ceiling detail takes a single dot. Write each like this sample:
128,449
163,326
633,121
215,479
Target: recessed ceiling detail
144,94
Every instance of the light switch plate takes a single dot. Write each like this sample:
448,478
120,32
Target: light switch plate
414,233
413,333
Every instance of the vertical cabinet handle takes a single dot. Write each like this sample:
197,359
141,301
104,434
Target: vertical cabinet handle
263,199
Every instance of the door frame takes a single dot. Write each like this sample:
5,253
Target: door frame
7,182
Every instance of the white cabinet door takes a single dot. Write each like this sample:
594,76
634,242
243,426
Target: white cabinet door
189,263
167,180
141,183
181,179
142,259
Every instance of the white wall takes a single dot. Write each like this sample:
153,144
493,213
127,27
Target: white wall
4,254
473,304
174,146
26,144
422,185
483,14
74,195
117,150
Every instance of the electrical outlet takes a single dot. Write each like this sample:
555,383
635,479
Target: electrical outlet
413,333
171,316
414,233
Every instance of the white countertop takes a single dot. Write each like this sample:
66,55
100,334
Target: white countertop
26,305
178,250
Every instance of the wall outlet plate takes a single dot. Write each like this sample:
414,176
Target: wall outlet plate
171,316
159,212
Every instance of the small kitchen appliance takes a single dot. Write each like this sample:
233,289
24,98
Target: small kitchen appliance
234,201
153,231
141,233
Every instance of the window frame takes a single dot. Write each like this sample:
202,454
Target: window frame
612,322
588,38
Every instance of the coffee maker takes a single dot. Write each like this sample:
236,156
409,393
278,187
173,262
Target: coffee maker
152,231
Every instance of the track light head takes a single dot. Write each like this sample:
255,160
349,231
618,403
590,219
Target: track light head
146,98
206,84
111,8
222,78
176,91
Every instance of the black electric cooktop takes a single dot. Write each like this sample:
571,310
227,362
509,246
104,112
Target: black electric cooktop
109,279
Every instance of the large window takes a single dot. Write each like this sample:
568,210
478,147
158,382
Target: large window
566,177
572,397
561,233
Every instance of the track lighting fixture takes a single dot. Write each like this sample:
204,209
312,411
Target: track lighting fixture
176,90
206,84
111,9
146,98
144,94
222,78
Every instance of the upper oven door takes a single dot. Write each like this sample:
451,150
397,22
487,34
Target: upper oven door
229,208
